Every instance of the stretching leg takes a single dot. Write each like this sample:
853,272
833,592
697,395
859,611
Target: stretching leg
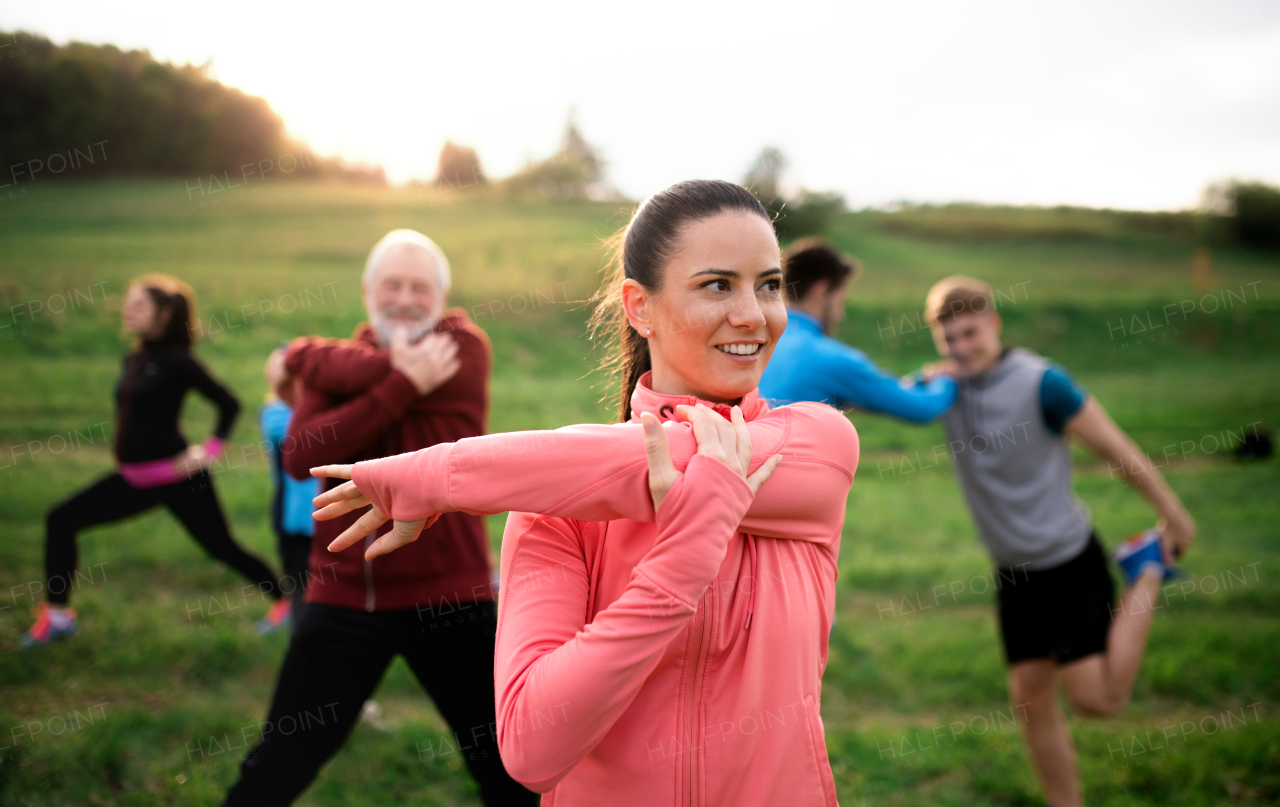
463,689
1100,685
1033,689
295,549
335,661
194,504
109,499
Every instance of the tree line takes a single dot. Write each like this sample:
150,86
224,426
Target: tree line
94,110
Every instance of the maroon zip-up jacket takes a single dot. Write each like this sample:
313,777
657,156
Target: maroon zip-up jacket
352,406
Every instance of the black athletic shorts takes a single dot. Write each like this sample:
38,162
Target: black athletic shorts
1062,613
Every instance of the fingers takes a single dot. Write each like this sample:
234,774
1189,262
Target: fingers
709,430
742,438
333,471
448,346
347,490
439,345
399,338
341,508
662,471
402,532
763,473
449,368
366,524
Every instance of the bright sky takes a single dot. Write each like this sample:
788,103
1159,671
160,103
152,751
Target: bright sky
1134,105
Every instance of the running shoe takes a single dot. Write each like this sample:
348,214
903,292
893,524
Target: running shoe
1138,552
51,625
279,615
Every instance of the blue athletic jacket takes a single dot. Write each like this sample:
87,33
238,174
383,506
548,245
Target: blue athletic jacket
808,365
291,506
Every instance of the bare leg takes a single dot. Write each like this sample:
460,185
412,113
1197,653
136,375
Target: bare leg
1032,687
1100,685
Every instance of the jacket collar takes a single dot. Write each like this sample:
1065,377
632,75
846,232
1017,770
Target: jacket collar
804,320
644,399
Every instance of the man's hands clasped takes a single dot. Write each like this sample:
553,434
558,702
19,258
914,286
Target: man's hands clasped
428,363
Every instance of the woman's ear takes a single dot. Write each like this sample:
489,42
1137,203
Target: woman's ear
637,303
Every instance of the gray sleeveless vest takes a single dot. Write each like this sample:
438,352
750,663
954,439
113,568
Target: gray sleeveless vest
1015,473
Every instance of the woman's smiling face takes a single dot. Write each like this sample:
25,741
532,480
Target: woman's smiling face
717,317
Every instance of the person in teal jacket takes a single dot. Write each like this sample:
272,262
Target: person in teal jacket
291,498
809,365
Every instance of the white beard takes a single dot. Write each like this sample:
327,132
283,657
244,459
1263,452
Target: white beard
385,329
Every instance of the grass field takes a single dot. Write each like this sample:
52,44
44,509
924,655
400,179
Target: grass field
152,702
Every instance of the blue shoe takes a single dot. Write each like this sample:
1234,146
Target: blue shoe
51,625
1137,553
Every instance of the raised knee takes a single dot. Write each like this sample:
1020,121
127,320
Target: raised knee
1098,707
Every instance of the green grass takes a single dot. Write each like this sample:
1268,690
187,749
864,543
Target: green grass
164,682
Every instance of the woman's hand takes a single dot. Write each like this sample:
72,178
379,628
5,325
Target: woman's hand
347,497
192,462
727,441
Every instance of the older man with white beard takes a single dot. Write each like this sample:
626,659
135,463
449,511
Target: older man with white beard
413,376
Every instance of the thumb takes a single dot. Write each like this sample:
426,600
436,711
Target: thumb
399,338
763,473
656,447
402,532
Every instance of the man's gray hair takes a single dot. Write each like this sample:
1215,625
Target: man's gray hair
408,239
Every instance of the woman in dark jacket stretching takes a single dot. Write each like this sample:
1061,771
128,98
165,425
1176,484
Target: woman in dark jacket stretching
154,463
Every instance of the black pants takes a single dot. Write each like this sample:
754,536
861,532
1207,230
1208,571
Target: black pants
110,499
295,548
335,661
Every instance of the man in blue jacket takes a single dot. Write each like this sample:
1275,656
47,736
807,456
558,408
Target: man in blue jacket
809,365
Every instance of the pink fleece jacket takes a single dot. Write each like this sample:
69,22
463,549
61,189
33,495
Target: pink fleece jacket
670,663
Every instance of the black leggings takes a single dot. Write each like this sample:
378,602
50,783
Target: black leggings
335,661
295,550
110,499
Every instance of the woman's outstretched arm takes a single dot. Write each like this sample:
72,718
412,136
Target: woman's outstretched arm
562,684
599,473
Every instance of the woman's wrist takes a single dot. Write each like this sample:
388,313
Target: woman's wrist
213,446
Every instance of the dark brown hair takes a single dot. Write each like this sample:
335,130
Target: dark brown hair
174,298
640,251
810,260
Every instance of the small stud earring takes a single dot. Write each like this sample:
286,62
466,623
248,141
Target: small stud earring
648,332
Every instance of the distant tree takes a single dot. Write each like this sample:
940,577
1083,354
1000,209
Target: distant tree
764,178
459,166
1255,209
149,117
576,171
576,148
802,213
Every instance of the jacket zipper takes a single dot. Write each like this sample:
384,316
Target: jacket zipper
693,697
368,576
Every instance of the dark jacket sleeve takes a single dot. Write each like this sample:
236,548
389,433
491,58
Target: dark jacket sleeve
217,393
336,366
326,430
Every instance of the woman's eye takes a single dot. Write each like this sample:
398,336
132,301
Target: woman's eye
771,286
717,285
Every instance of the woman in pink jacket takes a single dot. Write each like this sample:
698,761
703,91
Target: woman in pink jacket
664,618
